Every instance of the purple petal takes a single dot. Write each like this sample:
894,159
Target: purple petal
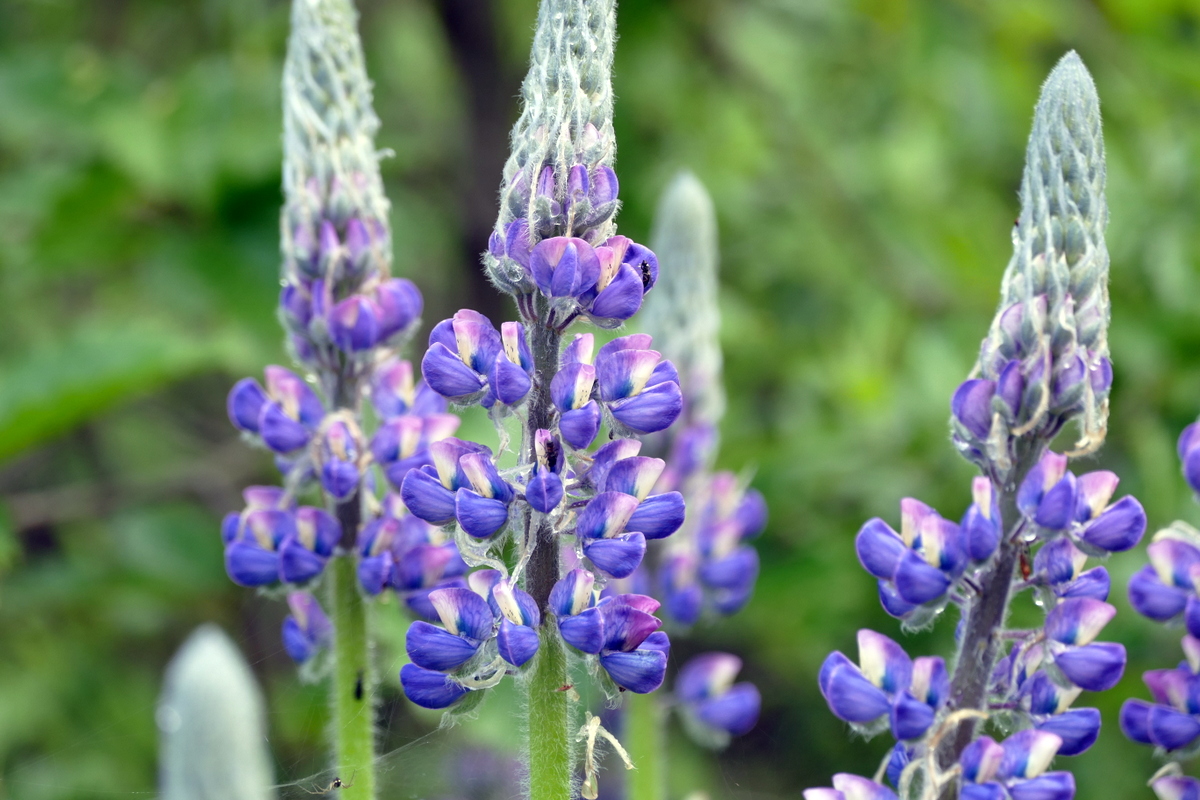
1150,598
617,557
1011,386
909,717
1093,491
734,571
399,303
339,478
429,689
1176,787
981,760
354,324
508,381
479,516
580,426
447,375
516,643
1051,786
424,495
980,532
1095,583
640,671
971,405
621,299
706,676
917,582
626,627
280,432
852,697
374,572
1135,720
1078,728
298,564
879,548
431,647
1173,561
573,593
1119,528
245,404
464,612
892,602
583,631
883,661
1095,667
734,712
833,661
1170,728
1027,753
295,642
544,491
659,516
250,565
655,409
516,241
1059,561
1078,621
605,515
1057,507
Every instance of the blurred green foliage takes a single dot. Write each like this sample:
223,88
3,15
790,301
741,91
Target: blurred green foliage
864,158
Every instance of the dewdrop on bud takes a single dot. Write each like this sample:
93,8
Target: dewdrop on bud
1045,360
212,724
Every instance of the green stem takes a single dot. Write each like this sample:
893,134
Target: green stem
353,713
549,720
645,739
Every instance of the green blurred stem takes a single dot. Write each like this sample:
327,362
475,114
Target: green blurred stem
352,693
549,720
645,739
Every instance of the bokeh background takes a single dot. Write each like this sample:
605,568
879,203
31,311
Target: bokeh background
864,157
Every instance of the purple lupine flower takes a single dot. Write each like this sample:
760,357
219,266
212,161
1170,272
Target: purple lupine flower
1172,721
469,361
429,492
600,529
634,652
430,688
636,387
544,491
402,443
571,393
981,524
888,684
1176,787
467,623
627,271
916,566
851,787
304,552
1166,587
395,393
705,688
1047,495
481,506
341,451
252,537
516,611
573,601
1189,455
284,416
1049,707
408,554
656,516
306,630
1071,628
1014,769
1059,565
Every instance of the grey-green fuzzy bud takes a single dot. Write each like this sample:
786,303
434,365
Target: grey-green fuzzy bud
212,723
682,312
565,123
1054,308
331,167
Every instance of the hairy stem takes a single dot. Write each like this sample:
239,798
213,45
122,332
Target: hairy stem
645,740
352,693
982,636
549,721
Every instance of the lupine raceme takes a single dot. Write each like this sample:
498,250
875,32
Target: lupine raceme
1032,524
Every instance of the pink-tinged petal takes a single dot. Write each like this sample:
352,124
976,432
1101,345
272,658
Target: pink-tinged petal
605,515
280,432
1176,787
1045,474
624,373
571,388
930,680
483,476
854,787
634,476
981,760
707,675
580,350
400,305
914,519
1168,686
884,662
1027,753
516,604
1078,621
298,399
516,345
573,593
1093,491
1173,560
354,324
626,627
463,612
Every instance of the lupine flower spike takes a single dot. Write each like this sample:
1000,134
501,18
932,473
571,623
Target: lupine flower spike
1032,523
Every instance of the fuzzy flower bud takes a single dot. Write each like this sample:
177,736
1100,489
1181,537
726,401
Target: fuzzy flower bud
1045,360
559,179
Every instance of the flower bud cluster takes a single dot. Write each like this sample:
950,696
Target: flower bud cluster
1045,361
